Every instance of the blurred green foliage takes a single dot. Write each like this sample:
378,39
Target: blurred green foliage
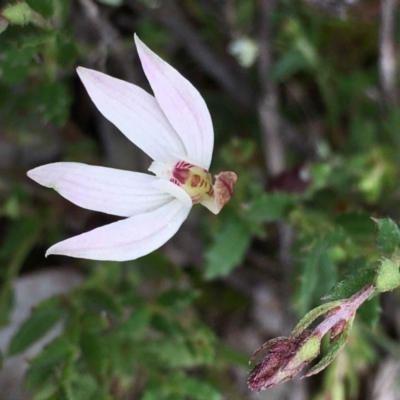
140,328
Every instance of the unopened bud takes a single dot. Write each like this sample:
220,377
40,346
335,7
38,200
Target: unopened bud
285,358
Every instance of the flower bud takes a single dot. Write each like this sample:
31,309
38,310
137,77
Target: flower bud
285,358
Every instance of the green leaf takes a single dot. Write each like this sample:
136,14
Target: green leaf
270,207
21,233
94,322
316,267
42,378
387,237
98,301
86,387
54,353
18,14
42,319
52,100
17,55
164,325
291,62
228,249
357,224
351,284
202,345
231,355
67,52
195,388
21,237
43,7
93,351
136,322
177,299
173,352
45,365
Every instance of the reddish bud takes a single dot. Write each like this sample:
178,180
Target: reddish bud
285,358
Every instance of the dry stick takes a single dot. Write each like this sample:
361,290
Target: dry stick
108,39
230,77
110,47
387,61
268,108
271,128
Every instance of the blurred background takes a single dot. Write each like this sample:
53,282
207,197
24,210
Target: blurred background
305,104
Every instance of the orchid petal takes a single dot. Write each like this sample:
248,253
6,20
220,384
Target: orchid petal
211,205
182,104
174,190
127,239
134,112
108,190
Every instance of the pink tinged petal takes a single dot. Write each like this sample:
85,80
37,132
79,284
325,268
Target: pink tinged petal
174,190
127,239
108,190
134,112
182,104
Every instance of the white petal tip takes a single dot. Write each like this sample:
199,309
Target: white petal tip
58,250
85,72
44,175
137,40
52,251
211,205
81,70
36,174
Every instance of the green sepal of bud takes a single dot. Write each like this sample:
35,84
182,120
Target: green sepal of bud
388,275
333,350
311,316
18,14
307,352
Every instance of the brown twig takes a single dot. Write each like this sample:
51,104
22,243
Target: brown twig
271,128
268,110
108,39
387,59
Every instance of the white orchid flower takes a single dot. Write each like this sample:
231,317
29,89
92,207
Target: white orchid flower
174,128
